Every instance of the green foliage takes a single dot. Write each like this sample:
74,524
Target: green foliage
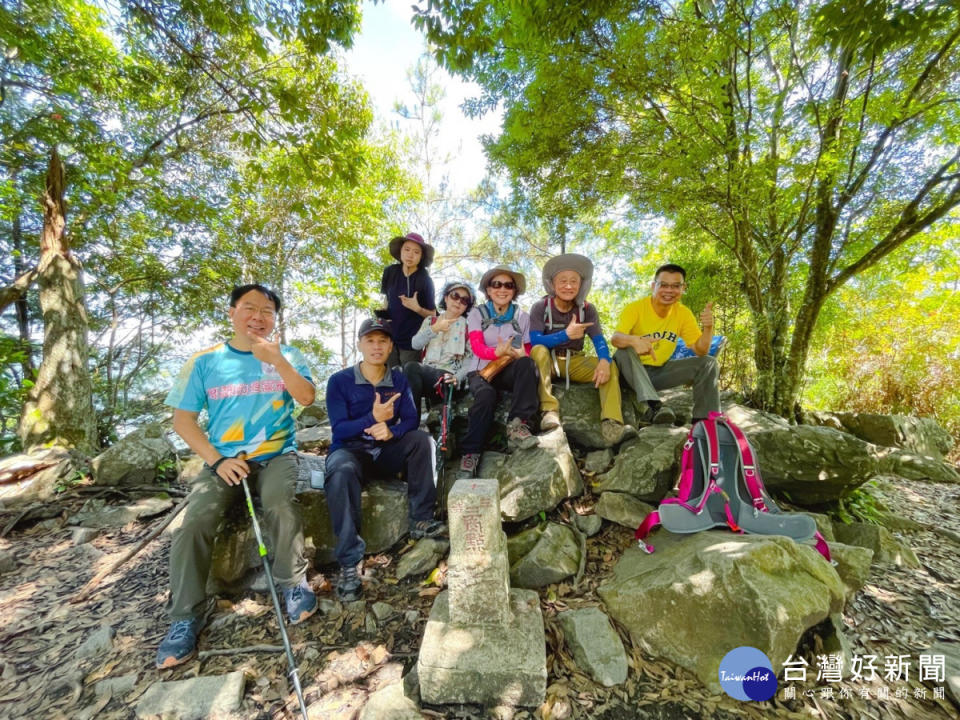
804,141
13,391
885,343
860,505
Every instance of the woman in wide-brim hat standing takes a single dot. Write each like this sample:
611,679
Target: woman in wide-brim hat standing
409,292
499,331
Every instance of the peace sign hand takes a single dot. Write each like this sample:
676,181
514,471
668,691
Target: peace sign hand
383,411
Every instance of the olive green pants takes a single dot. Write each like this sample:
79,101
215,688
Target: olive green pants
192,545
581,370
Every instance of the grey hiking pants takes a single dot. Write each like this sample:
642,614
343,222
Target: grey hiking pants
192,545
647,379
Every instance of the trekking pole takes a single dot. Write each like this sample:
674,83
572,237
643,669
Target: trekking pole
291,663
445,416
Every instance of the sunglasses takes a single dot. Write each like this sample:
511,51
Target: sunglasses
497,284
457,297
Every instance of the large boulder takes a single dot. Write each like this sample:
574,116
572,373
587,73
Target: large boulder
812,465
580,414
648,466
922,436
886,548
852,564
698,596
313,415
913,466
384,521
536,479
136,459
544,555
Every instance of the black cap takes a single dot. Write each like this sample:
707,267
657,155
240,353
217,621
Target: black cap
375,325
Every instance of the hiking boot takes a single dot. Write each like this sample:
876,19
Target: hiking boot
664,416
519,435
611,431
349,587
180,643
549,421
301,602
427,529
468,466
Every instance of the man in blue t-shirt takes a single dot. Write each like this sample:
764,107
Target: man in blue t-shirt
248,386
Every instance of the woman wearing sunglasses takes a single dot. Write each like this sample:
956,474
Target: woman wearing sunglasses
499,332
447,355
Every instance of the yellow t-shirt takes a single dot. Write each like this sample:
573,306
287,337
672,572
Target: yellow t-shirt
639,318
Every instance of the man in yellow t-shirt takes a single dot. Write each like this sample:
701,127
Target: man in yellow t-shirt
646,337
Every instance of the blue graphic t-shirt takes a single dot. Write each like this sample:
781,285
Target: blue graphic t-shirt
247,400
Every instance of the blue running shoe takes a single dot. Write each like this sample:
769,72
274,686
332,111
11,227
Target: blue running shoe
180,643
301,602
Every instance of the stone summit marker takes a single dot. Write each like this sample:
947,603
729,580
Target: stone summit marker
484,642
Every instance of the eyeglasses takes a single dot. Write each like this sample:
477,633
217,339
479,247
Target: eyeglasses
457,297
254,310
497,284
671,286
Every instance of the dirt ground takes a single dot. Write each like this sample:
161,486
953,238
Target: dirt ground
345,653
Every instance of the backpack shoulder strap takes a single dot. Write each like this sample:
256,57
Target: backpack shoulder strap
485,317
750,471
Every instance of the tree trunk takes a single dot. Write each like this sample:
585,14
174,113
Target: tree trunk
59,408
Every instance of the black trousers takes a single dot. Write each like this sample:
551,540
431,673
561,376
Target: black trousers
520,379
422,378
413,454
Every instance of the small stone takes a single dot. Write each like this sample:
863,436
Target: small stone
370,624
98,642
193,699
412,617
7,562
357,606
116,686
422,557
596,646
598,461
83,535
589,525
383,611
329,607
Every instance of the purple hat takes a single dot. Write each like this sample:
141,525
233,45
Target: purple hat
398,242
375,325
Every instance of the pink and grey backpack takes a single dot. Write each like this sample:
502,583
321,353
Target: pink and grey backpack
720,485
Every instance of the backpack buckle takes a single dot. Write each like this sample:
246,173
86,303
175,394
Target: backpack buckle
714,469
688,444
749,470
758,504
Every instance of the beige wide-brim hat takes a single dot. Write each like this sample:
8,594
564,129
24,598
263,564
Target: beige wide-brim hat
518,278
580,264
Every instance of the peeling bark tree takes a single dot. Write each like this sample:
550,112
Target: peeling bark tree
59,408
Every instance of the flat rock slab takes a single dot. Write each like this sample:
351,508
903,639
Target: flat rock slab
390,703
97,513
486,664
595,645
193,699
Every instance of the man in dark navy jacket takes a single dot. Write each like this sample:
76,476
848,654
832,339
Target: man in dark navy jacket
374,426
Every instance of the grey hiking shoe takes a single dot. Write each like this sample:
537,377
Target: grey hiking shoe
301,602
550,420
179,645
519,435
611,431
468,466
349,587
427,529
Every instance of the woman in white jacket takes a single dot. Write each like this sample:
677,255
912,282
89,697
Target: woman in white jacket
448,355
